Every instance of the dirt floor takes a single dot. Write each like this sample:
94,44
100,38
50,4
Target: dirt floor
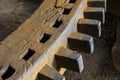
98,66
13,13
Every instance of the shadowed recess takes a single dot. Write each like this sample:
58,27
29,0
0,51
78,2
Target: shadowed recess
45,38
66,11
72,1
10,71
57,23
29,54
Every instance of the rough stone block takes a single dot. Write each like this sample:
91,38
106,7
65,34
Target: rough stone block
97,3
81,42
90,27
48,73
69,59
95,13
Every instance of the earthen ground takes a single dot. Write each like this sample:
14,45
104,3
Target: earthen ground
13,13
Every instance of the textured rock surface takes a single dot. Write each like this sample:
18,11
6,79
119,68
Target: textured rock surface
98,66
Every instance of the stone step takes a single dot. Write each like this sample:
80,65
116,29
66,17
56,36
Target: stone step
49,73
97,3
69,59
90,27
81,42
94,13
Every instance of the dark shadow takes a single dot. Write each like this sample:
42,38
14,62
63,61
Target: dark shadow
10,71
14,14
